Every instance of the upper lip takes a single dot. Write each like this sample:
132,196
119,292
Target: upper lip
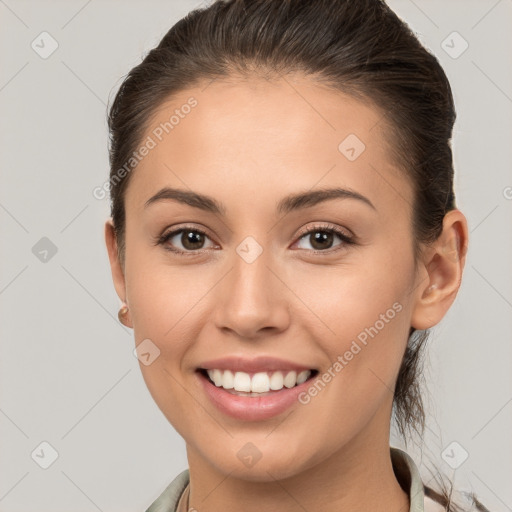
254,365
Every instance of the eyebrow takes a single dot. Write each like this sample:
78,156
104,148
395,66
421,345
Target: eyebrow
288,204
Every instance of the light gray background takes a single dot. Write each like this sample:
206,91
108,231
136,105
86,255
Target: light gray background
67,372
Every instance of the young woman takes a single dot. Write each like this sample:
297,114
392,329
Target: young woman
284,233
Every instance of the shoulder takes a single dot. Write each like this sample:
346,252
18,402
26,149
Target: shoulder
168,500
452,501
431,505
425,498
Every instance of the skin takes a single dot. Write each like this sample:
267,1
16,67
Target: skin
249,144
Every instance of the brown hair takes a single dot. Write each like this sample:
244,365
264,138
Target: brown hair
358,47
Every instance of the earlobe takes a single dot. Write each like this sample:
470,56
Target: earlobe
122,315
443,265
115,266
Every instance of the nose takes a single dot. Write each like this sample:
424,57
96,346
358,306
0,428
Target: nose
252,300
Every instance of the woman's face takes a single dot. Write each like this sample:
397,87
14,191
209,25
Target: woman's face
270,278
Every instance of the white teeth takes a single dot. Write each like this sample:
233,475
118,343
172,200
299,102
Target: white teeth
276,381
260,382
242,381
228,380
217,377
303,376
290,380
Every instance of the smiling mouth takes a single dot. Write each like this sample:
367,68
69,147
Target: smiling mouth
256,384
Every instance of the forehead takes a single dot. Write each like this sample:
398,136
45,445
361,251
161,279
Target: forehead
261,138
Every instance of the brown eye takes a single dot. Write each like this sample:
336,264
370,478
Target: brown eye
323,238
185,240
192,240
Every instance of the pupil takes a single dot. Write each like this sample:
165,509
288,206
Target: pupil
189,238
320,237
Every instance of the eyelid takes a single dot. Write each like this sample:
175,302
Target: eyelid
326,226
176,229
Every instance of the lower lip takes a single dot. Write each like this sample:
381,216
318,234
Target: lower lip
252,408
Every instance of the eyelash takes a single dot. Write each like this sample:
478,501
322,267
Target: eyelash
326,228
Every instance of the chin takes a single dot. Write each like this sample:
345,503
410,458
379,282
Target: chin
247,462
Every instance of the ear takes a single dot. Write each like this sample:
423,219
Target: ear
115,265
441,272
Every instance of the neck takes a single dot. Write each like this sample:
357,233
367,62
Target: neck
358,477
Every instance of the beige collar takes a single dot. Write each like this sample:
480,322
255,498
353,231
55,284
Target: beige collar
405,469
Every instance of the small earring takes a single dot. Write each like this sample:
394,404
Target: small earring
121,314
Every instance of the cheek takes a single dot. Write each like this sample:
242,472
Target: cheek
168,306
363,343
347,301
361,320
164,297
